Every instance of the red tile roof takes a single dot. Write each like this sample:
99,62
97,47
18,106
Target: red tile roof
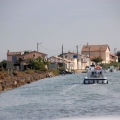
85,48
22,53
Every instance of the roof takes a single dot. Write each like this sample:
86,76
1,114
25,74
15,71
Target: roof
85,48
71,53
14,53
33,52
66,60
112,55
22,53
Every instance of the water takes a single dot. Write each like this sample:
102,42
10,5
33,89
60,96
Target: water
62,98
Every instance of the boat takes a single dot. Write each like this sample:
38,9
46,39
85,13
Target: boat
95,75
63,72
112,69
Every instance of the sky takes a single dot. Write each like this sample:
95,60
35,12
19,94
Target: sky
53,23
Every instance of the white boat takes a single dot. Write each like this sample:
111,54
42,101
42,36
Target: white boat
95,76
112,69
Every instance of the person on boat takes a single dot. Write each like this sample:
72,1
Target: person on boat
98,67
100,74
93,65
94,74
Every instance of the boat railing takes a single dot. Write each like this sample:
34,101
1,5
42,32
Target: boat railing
95,73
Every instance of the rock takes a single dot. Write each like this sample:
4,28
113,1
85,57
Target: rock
18,80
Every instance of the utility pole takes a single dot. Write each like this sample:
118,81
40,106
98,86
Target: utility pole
89,52
37,45
115,49
62,56
77,56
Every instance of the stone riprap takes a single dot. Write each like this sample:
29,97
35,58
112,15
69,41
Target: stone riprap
17,81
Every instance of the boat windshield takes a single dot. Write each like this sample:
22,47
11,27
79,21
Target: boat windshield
95,73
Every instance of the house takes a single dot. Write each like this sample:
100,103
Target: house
113,58
20,59
79,61
58,62
102,51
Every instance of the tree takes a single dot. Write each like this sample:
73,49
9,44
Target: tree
38,63
97,59
25,52
118,54
3,63
20,60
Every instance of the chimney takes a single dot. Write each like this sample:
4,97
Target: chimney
8,51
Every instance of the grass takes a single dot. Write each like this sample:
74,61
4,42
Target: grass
4,73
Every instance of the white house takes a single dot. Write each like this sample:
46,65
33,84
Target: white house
58,62
79,61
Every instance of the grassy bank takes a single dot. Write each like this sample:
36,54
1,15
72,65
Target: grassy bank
4,73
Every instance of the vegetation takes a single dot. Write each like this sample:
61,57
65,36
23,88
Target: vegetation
20,60
25,52
97,60
106,65
118,54
38,63
3,64
55,72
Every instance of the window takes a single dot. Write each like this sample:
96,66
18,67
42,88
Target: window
74,56
65,56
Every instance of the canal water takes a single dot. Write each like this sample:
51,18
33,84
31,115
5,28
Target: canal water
63,97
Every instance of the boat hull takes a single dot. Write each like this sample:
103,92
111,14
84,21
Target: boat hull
95,81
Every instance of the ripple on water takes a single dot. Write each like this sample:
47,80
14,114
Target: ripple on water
61,97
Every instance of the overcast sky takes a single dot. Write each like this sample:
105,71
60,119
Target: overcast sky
24,23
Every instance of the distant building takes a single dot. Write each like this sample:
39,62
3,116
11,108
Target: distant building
113,58
58,62
20,59
80,61
102,51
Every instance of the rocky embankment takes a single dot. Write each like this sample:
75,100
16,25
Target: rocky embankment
18,79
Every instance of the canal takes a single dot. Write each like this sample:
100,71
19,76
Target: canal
63,97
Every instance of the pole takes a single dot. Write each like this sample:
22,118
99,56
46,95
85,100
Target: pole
77,56
62,56
37,46
89,55
88,46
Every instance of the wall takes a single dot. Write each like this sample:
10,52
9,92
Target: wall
107,56
103,54
9,58
32,54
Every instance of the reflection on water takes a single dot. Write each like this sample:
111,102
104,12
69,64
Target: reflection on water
62,98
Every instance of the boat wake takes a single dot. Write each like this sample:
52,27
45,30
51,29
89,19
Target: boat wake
68,89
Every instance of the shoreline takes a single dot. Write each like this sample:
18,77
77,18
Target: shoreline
9,82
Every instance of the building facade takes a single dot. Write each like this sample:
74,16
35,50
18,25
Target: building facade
80,61
58,62
20,59
102,51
